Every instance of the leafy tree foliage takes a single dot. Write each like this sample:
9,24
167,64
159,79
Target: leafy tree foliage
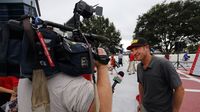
166,23
192,48
102,26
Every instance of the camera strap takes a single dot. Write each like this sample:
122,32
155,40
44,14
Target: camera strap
96,96
46,52
40,95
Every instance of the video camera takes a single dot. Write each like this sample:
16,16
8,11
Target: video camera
54,52
86,10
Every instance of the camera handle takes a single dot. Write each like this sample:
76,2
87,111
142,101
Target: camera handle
76,18
97,102
77,27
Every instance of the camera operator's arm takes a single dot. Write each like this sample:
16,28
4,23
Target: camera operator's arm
103,87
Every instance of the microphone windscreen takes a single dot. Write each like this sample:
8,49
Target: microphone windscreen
121,73
117,79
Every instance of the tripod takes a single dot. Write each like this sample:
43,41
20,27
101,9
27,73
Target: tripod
178,63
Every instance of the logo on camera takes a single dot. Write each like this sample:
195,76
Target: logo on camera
84,62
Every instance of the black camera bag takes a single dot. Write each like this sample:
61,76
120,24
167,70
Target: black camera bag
69,57
72,58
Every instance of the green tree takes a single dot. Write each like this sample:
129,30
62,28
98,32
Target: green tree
193,48
166,23
102,26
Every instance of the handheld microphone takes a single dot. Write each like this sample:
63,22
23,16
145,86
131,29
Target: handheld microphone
117,79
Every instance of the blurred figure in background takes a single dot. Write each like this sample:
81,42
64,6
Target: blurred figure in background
131,67
8,89
185,58
120,59
167,56
112,63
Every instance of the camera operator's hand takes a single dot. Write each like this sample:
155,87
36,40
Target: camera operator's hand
102,56
103,85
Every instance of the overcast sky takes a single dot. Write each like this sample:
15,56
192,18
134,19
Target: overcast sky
123,13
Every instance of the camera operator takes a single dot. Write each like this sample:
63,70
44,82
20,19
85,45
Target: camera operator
71,94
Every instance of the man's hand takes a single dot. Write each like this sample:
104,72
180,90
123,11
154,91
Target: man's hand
139,108
13,96
178,98
103,85
102,57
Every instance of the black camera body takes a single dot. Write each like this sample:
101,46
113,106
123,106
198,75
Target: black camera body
86,10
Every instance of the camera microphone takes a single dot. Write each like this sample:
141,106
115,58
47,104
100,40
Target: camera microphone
117,79
96,37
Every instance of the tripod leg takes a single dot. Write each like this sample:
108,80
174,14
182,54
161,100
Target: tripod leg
178,64
183,67
175,63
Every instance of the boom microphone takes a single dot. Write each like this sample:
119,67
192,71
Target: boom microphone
96,37
60,26
117,79
69,28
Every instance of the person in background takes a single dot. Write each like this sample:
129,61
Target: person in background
167,56
160,86
185,58
8,89
131,67
120,59
112,63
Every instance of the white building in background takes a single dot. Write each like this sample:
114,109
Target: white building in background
14,9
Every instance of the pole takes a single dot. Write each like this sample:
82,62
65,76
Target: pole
178,60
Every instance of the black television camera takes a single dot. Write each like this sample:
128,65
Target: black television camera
54,52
